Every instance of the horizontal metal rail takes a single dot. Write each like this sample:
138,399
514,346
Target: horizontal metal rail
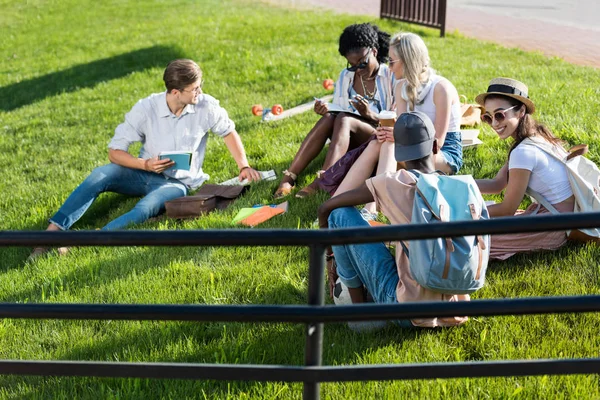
307,374
313,315
302,314
306,237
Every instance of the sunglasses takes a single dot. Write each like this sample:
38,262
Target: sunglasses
499,115
361,65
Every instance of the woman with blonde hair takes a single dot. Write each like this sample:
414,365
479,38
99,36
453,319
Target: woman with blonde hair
419,88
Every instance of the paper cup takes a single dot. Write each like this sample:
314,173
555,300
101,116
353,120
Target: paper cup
387,118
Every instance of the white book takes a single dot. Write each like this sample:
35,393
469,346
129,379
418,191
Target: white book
264,176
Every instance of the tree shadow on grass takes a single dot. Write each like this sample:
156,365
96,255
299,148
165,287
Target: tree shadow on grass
205,342
23,93
106,207
104,271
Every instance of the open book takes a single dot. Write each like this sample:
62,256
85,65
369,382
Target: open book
183,159
469,137
264,176
333,107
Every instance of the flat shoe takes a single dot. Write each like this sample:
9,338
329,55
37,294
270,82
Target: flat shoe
283,191
305,192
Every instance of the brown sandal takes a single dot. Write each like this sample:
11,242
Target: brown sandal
306,191
332,275
285,188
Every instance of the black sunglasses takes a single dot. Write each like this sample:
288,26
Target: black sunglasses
499,115
361,65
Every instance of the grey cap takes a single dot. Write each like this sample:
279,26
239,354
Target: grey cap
413,136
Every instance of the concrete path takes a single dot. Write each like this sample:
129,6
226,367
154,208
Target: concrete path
569,29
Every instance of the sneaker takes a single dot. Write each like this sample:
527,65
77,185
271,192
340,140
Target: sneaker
367,215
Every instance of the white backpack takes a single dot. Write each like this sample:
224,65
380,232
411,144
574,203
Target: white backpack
584,177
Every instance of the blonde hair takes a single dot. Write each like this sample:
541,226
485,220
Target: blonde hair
412,51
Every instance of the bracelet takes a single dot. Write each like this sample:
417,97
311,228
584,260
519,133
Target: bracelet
146,164
243,168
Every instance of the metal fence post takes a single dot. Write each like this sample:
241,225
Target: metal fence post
442,17
313,352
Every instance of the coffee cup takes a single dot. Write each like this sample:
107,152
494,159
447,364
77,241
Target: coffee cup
387,118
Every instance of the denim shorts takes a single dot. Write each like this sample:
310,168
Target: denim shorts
452,150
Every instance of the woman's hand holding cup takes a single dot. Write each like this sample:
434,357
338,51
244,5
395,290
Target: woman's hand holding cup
385,131
384,134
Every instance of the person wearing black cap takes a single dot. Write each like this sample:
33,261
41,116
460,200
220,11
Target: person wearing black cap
508,110
371,266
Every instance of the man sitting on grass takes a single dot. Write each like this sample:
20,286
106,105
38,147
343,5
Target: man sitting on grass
175,120
371,266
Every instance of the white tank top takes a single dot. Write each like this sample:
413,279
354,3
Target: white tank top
427,106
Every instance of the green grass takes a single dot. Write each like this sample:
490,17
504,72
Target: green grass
70,70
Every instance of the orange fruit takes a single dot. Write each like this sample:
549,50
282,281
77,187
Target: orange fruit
328,84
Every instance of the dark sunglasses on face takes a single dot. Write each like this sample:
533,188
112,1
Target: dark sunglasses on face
363,64
499,115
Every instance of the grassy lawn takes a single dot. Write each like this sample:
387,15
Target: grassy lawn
70,70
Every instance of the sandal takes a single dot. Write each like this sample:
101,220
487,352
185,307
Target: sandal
286,188
306,191
332,275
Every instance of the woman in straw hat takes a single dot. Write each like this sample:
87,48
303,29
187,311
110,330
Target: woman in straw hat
508,110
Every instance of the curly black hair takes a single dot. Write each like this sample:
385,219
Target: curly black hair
357,36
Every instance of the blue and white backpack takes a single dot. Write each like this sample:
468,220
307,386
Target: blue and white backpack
454,265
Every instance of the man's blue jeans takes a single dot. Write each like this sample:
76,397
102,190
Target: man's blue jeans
156,189
370,264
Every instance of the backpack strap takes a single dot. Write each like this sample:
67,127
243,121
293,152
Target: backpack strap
578,150
575,151
480,241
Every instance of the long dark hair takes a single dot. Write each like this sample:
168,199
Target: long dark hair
528,126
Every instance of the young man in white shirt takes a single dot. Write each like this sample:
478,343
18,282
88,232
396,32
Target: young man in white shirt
175,120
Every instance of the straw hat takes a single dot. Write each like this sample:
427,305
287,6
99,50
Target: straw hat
509,88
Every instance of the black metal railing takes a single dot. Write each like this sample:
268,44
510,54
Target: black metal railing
313,315
431,13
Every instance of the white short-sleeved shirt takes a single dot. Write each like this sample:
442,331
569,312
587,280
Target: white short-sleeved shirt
151,122
548,175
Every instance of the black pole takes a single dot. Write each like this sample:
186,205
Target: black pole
313,352
442,15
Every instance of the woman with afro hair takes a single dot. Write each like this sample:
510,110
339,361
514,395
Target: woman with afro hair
364,86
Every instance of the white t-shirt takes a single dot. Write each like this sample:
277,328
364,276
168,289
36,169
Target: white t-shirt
548,175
